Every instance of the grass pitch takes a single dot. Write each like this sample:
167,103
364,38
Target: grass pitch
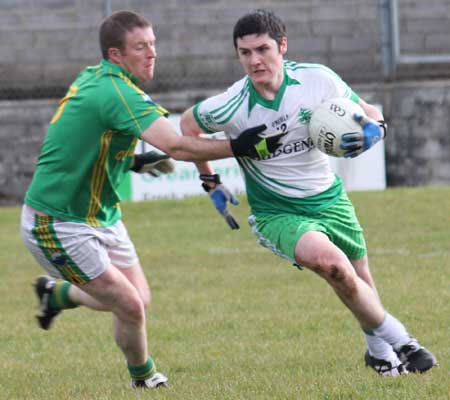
230,320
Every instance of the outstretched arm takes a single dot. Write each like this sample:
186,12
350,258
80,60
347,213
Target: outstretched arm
249,143
161,134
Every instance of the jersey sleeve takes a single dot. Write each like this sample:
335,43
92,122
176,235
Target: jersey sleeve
205,113
336,86
217,113
129,110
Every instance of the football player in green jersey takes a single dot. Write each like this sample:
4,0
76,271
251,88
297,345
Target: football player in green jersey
71,219
299,208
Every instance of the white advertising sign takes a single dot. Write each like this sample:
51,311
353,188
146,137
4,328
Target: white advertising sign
365,172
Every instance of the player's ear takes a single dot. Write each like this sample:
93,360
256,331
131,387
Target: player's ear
114,55
283,45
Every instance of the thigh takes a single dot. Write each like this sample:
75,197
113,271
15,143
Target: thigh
116,293
123,256
314,249
342,227
119,246
67,250
135,275
280,233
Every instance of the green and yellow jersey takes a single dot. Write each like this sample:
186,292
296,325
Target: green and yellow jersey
89,146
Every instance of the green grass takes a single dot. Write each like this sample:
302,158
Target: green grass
229,320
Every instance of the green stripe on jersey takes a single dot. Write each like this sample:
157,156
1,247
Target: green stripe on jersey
220,115
294,66
252,171
200,121
230,102
263,200
256,98
229,112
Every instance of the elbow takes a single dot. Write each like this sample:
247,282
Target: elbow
176,150
188,125
180,155
184,128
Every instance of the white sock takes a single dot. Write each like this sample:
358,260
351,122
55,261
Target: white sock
378,348
393,332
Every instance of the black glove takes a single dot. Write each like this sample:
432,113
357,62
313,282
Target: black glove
220,196
250,143
152,162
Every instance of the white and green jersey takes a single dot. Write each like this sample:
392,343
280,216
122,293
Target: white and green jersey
297,175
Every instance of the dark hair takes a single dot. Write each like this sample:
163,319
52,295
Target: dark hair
259,22
113,29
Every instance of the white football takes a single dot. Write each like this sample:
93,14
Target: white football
330,120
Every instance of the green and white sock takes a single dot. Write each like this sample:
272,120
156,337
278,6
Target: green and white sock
142,372
60,300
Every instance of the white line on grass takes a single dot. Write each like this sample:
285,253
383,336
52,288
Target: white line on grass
235,250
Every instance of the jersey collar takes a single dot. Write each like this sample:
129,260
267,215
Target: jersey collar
256,98
117,69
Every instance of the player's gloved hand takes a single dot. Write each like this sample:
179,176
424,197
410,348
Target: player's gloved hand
250,143
220,196
357,143
152,162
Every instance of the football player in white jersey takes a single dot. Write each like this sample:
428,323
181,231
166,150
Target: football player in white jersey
299,208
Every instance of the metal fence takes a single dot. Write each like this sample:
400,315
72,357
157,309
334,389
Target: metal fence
45,44
399,55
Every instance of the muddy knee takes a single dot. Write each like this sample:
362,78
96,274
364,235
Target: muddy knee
339,276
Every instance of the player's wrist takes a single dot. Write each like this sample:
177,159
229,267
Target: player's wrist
209,181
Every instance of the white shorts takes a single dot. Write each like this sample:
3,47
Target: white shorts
74,251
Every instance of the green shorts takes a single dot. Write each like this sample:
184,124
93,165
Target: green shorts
281,232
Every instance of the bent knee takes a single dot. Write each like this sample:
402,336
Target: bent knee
133,310
146,300
335,271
